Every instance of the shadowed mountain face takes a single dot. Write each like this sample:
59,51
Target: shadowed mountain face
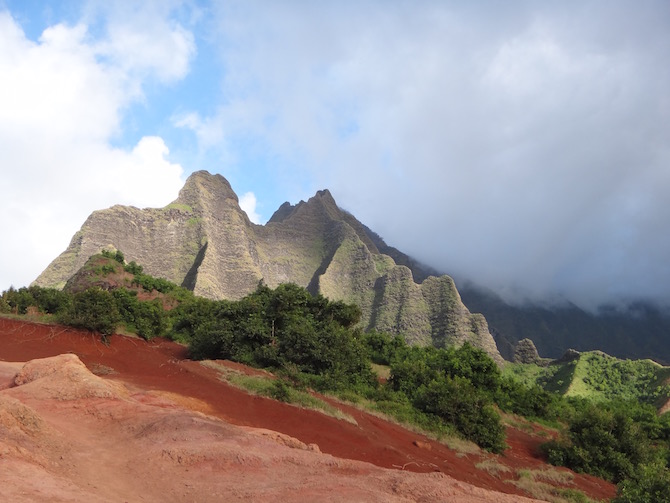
205,242
638,330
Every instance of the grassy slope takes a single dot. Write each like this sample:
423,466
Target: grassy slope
599,377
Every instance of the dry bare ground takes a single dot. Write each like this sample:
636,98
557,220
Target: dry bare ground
136,421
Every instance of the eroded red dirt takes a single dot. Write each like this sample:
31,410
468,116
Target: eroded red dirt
160,368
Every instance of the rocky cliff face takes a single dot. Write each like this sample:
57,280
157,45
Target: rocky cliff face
205,242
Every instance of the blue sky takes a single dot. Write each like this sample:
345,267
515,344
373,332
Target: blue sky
522,145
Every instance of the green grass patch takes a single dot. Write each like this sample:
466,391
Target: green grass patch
559,377
402,413
547,492
551,475
518,423
383,263
277,389
525,373
179,206
493,467
44,319
538,483
578,388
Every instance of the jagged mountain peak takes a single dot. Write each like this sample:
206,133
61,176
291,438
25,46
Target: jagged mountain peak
282,213
324,194
322,204
205,242
202,185
323,207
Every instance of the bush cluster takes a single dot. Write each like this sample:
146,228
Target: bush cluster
281,328
46,300
114,255
455,384
100,310
93,309
624,378
626,442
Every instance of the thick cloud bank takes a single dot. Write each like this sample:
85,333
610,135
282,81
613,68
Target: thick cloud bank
523,145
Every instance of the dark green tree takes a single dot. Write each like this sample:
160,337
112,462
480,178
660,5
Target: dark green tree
4,306
458,402
382,347
651,484
50,300
93,309
282,328
603,441
19,300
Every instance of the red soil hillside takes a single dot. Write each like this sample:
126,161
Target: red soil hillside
140,422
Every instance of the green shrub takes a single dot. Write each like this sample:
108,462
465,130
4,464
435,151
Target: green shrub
278,328
150,319
46,300
19,300
280,390
94,309
133,268
117,255
413,367
51,300
529,401
651,484
604,442
107,269
458,402
455,384
149,283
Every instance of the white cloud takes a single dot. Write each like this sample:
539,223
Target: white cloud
61,101
142,38
248,205
208,132
510,144
46,84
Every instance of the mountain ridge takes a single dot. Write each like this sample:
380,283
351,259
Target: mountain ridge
638,330
204,241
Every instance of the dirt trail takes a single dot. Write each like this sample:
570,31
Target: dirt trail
157,375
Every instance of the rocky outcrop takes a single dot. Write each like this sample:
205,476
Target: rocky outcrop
568,356
205,242
526,352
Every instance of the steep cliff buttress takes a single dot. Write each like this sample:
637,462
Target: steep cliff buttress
204,241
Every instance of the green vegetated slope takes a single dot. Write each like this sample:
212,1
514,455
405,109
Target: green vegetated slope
599,377
204,242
